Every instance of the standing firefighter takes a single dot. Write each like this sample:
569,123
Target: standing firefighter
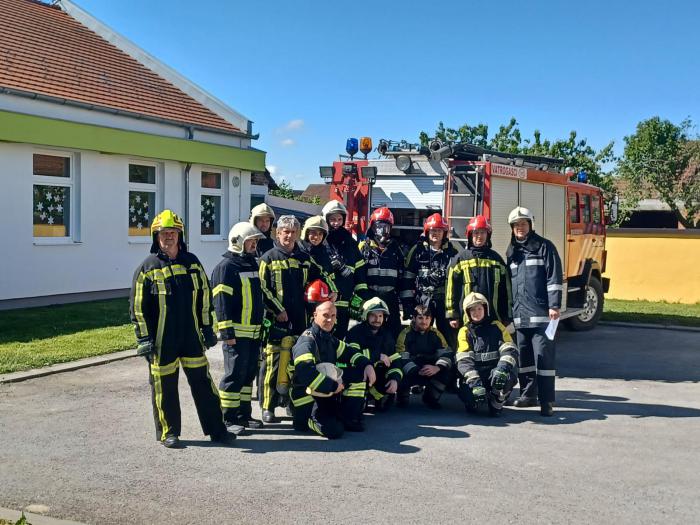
348,265
239,313
284,272
426,273
478,268
536,279
324,400
170,309
262,217
487,359
384,264
373,336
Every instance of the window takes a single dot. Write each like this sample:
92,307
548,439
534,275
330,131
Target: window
142,199
211,203
54,195
574,212
586,205
596,209
256,199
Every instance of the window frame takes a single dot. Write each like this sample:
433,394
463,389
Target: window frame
157,187
72,182
575,207
586,200
214,192
596,207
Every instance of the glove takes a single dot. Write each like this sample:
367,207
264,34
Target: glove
437,277
498,378
147,349
209,336
346,271
479,393
356,308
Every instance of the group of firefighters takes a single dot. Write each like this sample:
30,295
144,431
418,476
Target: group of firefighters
282,309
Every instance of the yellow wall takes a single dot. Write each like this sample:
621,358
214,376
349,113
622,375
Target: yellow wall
654,265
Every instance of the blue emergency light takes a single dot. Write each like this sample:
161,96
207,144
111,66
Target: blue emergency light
352,146
582,177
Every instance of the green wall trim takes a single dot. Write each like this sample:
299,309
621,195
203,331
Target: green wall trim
30,129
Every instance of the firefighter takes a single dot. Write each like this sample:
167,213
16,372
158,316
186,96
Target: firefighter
373,335
313,237
323,399
170,308
384,264
238,302
349,272
426,359
478,268
536,280
262,217
285,271
487,359
425,274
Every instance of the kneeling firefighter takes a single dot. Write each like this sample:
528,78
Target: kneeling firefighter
239,308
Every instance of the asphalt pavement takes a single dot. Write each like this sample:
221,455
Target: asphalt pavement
622,448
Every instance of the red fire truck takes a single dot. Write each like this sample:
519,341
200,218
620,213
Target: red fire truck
461,181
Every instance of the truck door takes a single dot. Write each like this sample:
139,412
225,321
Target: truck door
575,238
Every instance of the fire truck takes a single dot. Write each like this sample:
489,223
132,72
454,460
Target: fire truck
461,181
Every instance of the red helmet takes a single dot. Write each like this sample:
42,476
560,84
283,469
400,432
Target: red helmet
435,222
381,214
317,292
478,223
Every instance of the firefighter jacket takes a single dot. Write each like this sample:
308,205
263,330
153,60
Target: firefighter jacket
423,348
483,346
536,280
283,277
238,299
479,270
171,300
425,273
343,247
377,344
384,267
265,244
316,346
319,255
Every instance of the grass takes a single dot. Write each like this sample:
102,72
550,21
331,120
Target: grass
652,312
36,337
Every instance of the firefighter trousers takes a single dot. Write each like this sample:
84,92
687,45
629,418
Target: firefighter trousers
434,385
342,321
236,386
392,301
443,324
326,415
164,373
494,399
537,364
273,381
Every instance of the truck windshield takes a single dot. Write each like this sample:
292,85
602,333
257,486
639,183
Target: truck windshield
464,196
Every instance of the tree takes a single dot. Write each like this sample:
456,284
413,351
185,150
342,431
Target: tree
662,160
285,191
575,153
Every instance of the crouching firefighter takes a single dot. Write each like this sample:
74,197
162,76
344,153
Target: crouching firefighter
373,336
323,400
487,359
284,272
425,357
170,308
239,308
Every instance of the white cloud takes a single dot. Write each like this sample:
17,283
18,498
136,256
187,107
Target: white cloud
287,142
272,170
297,123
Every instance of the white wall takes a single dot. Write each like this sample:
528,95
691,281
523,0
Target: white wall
105,257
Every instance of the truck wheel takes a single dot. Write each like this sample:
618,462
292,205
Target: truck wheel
592,308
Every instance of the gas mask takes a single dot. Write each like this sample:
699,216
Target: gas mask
382,231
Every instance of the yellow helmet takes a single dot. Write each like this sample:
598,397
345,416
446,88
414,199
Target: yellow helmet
316,222
472,299
167,219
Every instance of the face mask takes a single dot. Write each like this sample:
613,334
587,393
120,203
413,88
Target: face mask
382,231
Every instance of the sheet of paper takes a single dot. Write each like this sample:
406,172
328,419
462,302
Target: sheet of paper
551,329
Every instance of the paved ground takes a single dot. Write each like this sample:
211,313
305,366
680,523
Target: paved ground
622,448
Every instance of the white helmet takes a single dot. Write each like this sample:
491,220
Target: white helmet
316,222
261,210
472,299
332,207
329,370
240,233
521,213
375,304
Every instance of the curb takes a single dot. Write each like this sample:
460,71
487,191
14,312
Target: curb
34,519
678,328
16,377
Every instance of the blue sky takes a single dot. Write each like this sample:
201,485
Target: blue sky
312,73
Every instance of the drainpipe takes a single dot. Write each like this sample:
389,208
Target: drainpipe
188,167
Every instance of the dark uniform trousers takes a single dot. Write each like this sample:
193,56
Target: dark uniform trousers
537,364
164,374
495,400
342,320
236,386
442,323
325,415
392,301
434,385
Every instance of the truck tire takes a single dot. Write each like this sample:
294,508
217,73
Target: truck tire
592,308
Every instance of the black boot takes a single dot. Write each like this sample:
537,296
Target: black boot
268,416
546,409
525,402
172,442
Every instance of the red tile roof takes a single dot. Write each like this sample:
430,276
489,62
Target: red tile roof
44,50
